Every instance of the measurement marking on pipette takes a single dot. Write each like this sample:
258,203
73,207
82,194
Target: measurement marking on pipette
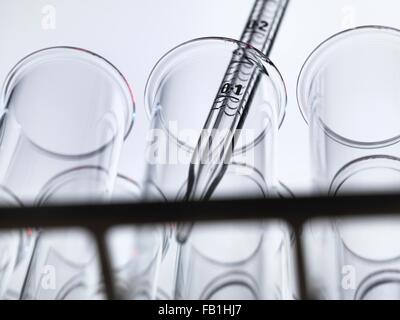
227,87
235,99
258,25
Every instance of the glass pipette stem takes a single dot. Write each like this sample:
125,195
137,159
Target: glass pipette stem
230,107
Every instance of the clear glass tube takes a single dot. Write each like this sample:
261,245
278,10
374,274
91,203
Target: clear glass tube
348,91
239,261
234,261
62,108
65,264
179,94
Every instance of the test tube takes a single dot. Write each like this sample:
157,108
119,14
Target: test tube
348,92
178,95
65,264
62,108
232,261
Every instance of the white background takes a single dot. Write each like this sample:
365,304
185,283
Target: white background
134,34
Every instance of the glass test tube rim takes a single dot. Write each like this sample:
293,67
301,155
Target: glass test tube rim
124,183
361,164
63,178
315,60
42,56
168,58
261,227
233,278
376,279
347,172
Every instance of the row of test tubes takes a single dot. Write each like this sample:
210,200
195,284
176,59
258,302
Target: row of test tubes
67,112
